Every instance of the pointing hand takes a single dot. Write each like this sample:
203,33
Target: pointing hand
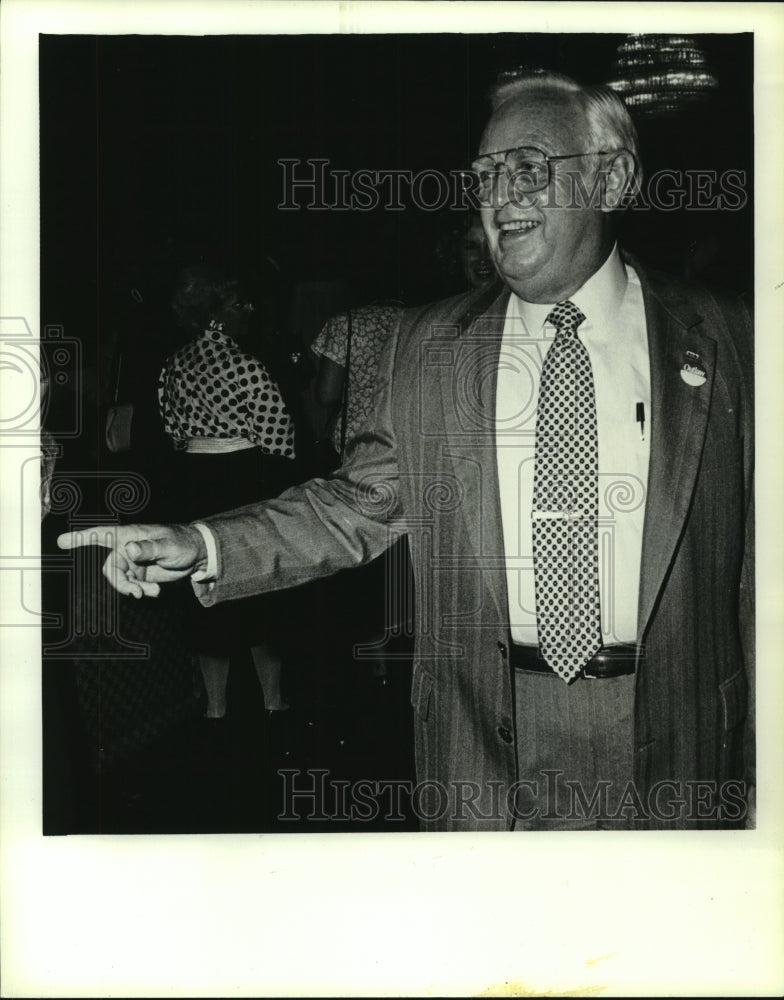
143,556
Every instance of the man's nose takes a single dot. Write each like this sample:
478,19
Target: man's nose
502,189
507,190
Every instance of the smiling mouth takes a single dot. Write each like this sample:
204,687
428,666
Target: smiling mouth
518,227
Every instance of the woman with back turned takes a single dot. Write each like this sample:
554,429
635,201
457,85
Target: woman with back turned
234,444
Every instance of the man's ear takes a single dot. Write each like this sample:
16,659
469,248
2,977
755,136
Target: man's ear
619,170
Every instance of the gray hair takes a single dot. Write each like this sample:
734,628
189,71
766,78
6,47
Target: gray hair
610,125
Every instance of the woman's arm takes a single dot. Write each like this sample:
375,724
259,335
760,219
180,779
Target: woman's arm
329,383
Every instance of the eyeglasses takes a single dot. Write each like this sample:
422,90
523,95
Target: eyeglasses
526,167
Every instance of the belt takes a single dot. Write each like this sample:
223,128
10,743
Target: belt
609,661
218,446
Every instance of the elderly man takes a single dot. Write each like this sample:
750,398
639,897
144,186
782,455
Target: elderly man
571,462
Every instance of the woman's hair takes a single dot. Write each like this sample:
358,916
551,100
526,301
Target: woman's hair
268,288
201,293
610,125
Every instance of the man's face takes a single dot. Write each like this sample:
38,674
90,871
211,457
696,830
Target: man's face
544,247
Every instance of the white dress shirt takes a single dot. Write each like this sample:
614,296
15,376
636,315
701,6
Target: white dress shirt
615,336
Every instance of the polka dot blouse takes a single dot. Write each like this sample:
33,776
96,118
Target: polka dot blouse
211,389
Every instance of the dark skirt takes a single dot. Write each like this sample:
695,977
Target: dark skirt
206,484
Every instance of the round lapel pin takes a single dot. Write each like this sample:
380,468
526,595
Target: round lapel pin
692,370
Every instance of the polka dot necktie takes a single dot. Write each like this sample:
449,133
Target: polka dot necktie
566,502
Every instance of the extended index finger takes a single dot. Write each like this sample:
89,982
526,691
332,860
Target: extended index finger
104,535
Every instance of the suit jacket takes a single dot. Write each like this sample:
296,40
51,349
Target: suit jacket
426,464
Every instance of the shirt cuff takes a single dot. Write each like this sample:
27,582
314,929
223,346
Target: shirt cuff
210,572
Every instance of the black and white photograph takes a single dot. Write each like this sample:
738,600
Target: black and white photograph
237,255
381,465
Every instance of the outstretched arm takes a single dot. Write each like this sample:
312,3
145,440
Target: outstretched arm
311,531
322,526
143,556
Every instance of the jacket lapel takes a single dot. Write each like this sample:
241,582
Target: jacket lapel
680,403
468,399
679,421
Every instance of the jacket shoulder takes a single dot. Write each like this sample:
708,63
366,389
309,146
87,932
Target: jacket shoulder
675,291
437,312
458,311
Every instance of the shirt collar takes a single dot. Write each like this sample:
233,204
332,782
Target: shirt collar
598,299
214,335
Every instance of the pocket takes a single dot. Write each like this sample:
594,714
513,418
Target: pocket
421,692
734,699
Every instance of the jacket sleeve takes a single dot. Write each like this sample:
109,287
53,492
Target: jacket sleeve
322,526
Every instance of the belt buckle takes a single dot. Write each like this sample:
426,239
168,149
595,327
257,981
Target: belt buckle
585,671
